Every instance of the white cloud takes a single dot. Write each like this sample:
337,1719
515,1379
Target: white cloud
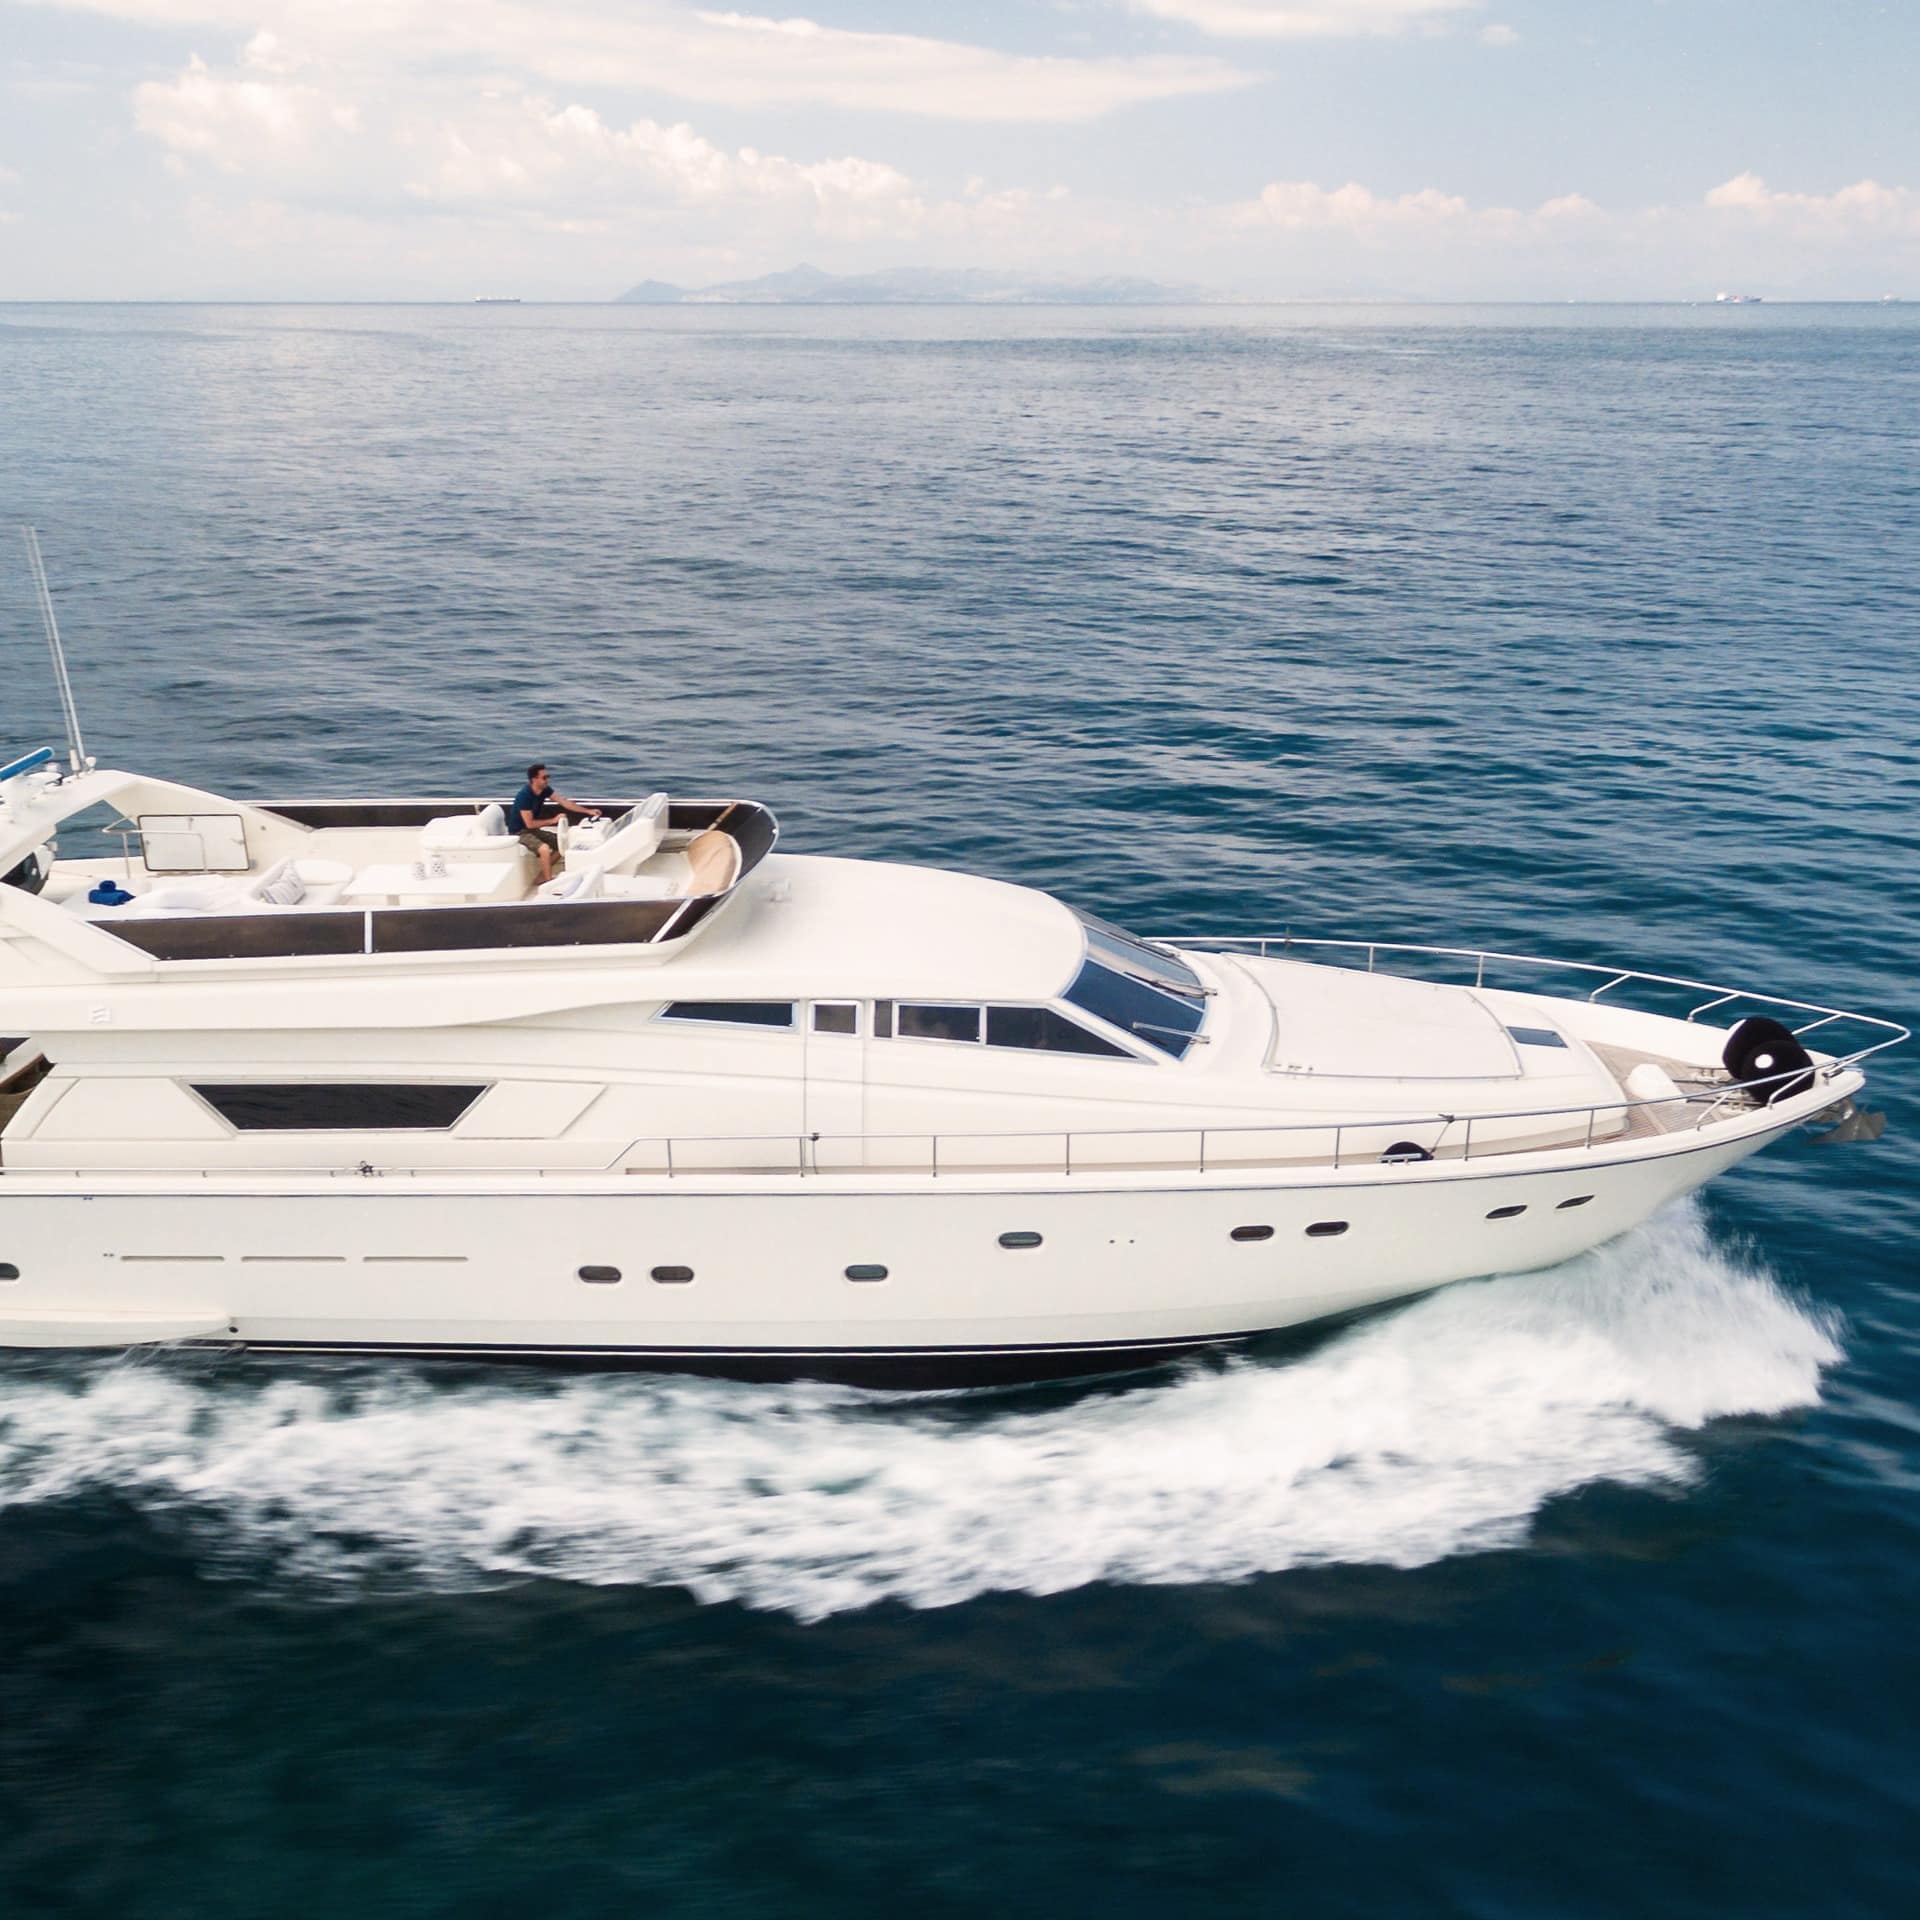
721,58
1865,205
1304,19
567,158
1499,35
1299,206
237,120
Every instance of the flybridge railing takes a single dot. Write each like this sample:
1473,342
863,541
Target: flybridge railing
1281,946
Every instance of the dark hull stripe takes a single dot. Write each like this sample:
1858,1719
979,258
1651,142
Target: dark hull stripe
918,1367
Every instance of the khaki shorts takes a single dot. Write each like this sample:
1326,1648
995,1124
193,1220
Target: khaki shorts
534,838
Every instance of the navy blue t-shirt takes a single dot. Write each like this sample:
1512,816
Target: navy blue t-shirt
540,805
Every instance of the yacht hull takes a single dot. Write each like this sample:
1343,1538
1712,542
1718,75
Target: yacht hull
775,1279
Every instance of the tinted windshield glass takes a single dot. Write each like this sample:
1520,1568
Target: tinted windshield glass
1163,1020
1124,954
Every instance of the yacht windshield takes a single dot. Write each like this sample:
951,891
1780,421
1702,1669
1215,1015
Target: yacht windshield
1156,966
1164,1020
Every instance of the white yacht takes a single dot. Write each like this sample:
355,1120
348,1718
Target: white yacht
344,1076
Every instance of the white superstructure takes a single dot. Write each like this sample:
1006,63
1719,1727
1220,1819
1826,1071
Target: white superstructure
341,1075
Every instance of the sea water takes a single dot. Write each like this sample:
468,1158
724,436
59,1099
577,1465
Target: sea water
1587,632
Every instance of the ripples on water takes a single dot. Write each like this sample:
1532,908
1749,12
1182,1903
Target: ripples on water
1589,635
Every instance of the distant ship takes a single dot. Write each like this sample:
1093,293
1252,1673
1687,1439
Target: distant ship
513,299
1737,299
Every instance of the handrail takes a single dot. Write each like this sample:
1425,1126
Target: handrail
806,1155
1619,976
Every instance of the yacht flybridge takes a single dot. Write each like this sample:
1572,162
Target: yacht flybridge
345,1076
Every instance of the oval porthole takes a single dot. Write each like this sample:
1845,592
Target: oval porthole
1505,1213
1251,1233
600,1276
866,1273
1019,1239
1578,1200
673,1276
1326,1229
8,1271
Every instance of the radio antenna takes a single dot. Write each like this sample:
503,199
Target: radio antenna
76,747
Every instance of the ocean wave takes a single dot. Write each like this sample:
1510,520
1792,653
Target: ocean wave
1439,1429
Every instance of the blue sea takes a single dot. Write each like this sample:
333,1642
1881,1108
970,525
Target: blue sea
1591,632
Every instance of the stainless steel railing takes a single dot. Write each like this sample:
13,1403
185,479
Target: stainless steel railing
1285,945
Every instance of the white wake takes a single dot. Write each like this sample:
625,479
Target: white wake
1437,1430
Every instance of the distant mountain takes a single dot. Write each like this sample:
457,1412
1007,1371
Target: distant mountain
653,293
805,286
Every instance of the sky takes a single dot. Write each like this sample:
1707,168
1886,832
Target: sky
1267,149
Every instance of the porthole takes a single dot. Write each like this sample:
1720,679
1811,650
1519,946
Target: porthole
8,1271
1019,1240
600,1276
673,1276
1403,1152
866,1273
1251,1233
1506,1213
1326,1229
1578,1200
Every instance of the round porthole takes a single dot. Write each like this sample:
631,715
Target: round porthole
600,1276
1019,1240
866,1273
673,1276
1326,1229
1251,1233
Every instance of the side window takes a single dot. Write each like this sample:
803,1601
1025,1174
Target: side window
835,1016
732,1013
1041,1030
925,1022
338,1106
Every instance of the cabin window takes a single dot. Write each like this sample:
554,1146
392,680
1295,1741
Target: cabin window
1041,1030
732,1013
1164,1020
338,1106
8,1271
883,1019
1326,1229
1251,1233
673,1276
1506,1213
600,1276
836,1017
1578,1200
1014,1242
927,1022
866,1273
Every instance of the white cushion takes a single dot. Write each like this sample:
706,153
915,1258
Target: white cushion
454,829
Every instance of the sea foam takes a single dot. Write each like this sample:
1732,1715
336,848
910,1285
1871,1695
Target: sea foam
1438,1429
